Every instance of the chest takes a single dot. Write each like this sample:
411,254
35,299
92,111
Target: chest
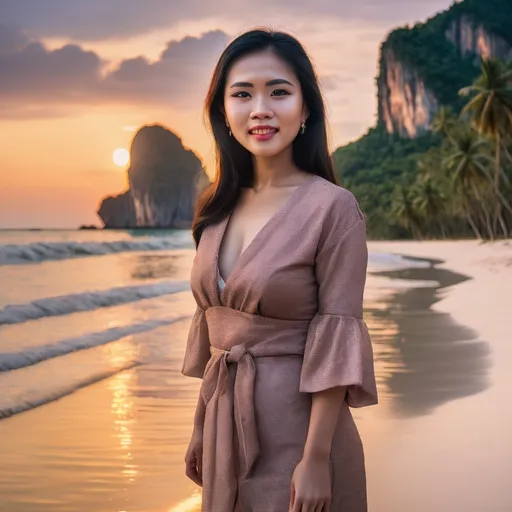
250,218
265,256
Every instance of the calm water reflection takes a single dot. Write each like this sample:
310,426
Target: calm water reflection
423,357
119,444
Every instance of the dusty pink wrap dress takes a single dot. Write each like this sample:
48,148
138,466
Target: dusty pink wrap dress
287,323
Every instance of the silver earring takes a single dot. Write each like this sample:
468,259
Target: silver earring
230,134
303,127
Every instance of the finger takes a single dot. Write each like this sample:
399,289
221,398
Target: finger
319,507
309,506
297,505
327,506
191,472
292,496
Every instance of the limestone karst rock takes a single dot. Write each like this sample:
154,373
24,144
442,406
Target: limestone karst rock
407,103
164,180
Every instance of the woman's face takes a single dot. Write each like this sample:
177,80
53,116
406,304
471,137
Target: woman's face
262,91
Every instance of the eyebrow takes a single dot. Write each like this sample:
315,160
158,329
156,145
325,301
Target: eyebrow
276,81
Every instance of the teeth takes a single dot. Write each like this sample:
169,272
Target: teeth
263,132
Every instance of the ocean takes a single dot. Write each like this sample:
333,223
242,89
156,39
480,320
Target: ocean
94,412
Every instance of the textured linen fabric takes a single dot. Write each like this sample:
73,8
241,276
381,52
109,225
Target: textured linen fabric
287,322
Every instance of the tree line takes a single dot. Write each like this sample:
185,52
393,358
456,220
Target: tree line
465,182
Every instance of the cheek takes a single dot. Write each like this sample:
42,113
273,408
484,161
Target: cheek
237,112
289,112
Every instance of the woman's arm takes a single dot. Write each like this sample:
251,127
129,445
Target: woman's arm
311,482
325,410
338,361
194,455
200,413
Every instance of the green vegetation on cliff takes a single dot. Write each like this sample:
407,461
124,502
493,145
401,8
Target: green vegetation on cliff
426,48
379,168
494,15
372,166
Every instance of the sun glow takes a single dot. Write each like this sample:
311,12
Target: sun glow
121,157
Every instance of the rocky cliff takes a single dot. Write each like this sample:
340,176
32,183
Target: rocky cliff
406,105
164,180
410,88
471,38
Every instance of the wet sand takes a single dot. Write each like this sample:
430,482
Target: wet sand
438,441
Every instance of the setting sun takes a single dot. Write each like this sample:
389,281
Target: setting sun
121,157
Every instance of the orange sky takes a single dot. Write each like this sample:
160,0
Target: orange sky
57,135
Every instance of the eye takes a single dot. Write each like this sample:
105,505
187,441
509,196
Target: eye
237,95
280,92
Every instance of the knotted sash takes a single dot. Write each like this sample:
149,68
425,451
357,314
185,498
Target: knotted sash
237,338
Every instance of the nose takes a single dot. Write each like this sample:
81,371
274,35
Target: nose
261,110
262,114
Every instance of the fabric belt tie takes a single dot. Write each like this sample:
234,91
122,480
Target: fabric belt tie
243,393
237,338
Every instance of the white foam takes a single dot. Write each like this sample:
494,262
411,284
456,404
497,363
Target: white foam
87,301
17,360
37,252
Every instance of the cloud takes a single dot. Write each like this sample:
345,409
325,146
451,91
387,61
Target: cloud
182,70
88,20
30,73
29,68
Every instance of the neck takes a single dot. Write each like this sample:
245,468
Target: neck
274,171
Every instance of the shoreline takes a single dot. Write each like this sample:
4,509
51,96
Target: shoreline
479,261
438,440
457,456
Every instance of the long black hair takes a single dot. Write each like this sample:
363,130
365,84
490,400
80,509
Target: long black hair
234,167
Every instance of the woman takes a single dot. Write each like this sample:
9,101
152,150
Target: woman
278,278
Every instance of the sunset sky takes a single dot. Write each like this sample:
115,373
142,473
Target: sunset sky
78,77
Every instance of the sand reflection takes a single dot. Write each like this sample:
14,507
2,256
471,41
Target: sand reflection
122,409
423,358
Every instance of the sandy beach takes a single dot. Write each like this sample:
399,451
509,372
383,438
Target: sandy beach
438,440
457,457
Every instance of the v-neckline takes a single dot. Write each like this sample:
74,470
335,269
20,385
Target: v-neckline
290,201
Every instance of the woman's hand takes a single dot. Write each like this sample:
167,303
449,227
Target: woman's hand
311,485
194,457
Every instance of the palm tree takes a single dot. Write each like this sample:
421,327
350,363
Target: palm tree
468,163
428,201
403,211
491,109
444,121
463,205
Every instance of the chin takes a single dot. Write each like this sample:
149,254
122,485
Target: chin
266,152
266,149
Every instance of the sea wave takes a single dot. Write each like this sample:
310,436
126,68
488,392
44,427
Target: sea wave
11,254
88,301
22,359
37,399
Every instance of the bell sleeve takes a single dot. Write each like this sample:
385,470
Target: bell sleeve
197,352
338,349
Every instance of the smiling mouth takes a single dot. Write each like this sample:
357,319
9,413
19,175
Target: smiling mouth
263,131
